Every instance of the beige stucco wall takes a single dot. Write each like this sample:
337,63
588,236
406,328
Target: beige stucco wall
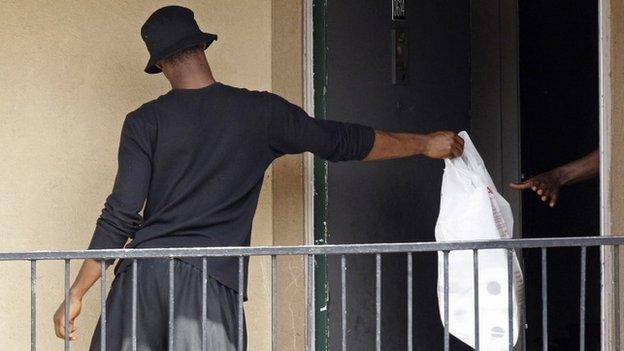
288,200
616,77
617,115
69,72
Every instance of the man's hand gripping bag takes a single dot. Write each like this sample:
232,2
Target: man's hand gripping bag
472,209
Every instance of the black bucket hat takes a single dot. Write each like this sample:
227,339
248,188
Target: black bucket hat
170,30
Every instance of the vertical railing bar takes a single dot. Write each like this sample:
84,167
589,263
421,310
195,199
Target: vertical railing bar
475,275
378,302
273,302
582,307
103,305
67,302
510,308
241,290
33,305
616,277
309,302
171,303
135,278
525,325
343,301
446,302
544,299
204,302
410,304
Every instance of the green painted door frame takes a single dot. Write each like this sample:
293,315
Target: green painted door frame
321,288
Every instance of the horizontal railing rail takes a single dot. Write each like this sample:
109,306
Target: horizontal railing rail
346,249
309,252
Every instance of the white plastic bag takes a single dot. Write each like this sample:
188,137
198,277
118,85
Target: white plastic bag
472,209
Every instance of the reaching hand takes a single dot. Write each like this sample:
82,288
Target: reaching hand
444,145
75,306
546,185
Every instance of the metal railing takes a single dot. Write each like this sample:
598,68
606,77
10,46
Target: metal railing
342,250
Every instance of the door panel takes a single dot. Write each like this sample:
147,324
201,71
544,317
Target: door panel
397,200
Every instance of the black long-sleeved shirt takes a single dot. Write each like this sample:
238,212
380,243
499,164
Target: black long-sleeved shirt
194,159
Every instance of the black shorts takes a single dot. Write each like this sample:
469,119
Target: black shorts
153,310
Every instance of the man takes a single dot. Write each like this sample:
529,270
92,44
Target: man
193,160
548,184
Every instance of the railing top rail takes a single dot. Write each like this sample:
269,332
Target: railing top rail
313,249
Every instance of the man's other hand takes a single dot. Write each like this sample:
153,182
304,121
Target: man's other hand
75,305
443,144
546,186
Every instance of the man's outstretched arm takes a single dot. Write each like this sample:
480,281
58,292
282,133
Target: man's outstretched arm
548,184
292,131
397,145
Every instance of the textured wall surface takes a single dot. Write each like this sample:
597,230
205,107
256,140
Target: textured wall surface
288,201
617,115
70,73
617,127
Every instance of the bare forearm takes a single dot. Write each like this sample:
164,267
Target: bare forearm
87,276
390,145
582,169
395,145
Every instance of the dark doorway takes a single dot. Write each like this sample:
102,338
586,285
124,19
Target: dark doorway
559,119
398,200
461,75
